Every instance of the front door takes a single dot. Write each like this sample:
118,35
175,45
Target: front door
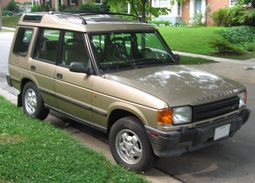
73,90
198,7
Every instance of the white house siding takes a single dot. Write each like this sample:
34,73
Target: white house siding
172,16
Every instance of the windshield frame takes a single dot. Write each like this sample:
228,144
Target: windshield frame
156,32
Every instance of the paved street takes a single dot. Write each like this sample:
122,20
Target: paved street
230,161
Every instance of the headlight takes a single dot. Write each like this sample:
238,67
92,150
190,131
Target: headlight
242,99
182,115
177,115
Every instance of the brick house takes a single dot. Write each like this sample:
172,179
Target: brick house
188,10
54,4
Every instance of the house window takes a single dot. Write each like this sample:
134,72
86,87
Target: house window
179,8
163,3
98,1
154,3
232,2
73,2
160,3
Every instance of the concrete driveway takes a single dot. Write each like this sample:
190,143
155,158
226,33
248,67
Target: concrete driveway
228,161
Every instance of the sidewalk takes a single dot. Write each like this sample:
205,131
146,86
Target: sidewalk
217,59
8,28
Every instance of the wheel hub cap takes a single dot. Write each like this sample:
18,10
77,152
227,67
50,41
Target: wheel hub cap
129,146
30,101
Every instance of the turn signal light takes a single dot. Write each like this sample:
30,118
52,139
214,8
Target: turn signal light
165,116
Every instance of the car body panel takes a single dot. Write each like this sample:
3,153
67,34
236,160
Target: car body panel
179,85
73,93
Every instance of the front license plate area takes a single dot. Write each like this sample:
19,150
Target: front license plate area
221,132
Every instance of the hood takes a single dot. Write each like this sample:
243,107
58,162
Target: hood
179,85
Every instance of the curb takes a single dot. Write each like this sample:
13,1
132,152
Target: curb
8,28
154,175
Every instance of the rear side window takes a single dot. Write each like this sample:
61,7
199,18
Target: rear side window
23,40
47,45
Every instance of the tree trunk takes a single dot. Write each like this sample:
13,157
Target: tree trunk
253,3
143,10
0,18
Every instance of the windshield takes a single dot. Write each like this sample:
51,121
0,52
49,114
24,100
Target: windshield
121,51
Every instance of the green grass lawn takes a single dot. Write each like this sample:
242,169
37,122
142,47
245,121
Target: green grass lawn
10,21
5,30
196,40
35,151
192,40
190,60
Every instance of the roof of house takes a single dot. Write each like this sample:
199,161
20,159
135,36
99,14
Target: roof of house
84,22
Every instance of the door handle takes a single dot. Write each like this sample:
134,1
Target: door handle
33,68
59,76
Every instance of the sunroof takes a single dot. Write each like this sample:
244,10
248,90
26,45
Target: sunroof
32,18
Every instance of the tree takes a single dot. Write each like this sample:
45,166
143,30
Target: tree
247,2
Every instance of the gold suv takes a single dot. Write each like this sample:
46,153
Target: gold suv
120,77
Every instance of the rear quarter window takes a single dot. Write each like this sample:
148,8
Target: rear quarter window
22,41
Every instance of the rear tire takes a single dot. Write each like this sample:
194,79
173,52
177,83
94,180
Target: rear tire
32,102
130,145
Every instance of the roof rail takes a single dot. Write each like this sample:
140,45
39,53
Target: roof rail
59,14
82,13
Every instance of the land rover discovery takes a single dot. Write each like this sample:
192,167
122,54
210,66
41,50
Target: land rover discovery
120,77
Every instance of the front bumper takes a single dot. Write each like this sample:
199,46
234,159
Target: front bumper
174,143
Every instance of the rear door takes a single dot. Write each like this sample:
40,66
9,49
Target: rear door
73,90
43,63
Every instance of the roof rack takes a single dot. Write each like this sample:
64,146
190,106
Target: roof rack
65,15
108,13
88,13
37,17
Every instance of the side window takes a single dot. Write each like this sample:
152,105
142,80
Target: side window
74,49
47,45
23,40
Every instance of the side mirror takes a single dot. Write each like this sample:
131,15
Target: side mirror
79,67
177,58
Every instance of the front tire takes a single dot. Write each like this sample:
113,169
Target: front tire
32,102
130,145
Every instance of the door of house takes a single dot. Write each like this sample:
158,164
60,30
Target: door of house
198,6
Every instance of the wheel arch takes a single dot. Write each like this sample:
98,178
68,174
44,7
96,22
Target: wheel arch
23,82
120,111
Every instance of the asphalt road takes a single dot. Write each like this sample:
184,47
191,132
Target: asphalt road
230,161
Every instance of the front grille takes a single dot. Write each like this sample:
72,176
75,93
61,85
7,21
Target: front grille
215,109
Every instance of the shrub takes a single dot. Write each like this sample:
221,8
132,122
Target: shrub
160,23
12,6
198,20
225,47
180,24
7,13
37,8
250,46
234,16
238,35
88,7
